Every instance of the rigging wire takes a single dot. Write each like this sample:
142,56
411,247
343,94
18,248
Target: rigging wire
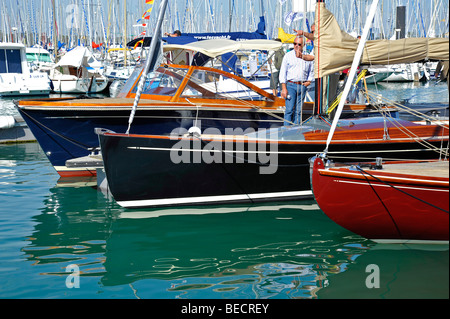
70,140
381,201
410,134
398,189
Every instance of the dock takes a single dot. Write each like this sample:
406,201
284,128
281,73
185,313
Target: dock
14,130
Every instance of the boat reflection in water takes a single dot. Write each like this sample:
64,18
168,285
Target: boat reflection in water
240,251
288,250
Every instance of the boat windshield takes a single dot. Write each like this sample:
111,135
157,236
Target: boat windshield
213,85
38,57
164,81
202,83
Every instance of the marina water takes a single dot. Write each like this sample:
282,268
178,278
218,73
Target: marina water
63,238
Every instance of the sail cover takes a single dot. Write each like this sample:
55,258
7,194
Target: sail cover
335,49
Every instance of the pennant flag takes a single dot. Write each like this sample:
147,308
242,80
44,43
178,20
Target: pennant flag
146,14
96,45
149,1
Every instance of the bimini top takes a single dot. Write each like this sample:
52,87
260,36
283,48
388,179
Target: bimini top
217,47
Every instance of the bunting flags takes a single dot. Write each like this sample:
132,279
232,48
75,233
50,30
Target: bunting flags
146,15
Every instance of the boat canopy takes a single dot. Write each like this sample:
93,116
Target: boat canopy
194,37
78,57
335,49
259,33
216,47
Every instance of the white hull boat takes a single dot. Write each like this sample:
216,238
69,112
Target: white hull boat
16,77
77,72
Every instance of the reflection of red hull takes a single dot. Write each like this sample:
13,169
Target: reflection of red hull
385,205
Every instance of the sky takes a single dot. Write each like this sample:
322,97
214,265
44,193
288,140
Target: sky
207,15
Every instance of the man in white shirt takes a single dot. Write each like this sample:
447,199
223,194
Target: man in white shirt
296,75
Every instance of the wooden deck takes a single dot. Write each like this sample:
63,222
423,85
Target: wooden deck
429,169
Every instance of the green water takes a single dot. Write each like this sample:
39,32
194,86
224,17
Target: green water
288,250
284,250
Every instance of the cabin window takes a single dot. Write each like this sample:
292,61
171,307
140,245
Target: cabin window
43,57
14,61
3,61
163,82
202,84
10,61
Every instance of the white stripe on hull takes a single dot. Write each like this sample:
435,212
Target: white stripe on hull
211,199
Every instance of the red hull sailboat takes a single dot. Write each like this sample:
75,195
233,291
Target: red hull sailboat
390,202
400,202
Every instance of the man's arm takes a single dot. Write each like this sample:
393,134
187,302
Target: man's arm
283,77
309,36
284,92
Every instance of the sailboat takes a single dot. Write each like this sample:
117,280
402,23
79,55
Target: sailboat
77,72
204,167
398,202
175,98
388,202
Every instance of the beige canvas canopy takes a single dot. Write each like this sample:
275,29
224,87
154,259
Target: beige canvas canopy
216,47
334,49
76,57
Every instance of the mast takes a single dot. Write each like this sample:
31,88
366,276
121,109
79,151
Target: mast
230,10
400,22
150,56
125,35
353,70
55,40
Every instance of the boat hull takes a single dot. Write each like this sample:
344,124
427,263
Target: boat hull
65,128
68,133
388,208
150,171
36,83
79,85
